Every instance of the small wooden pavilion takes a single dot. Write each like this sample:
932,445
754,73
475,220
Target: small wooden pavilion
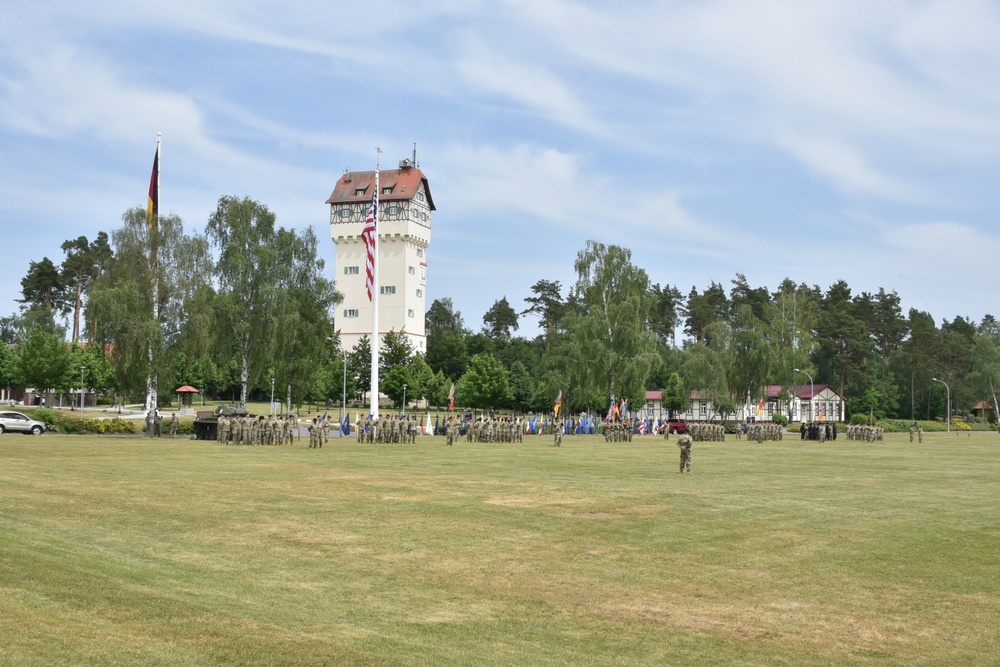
184,395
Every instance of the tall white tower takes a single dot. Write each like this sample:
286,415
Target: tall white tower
404,232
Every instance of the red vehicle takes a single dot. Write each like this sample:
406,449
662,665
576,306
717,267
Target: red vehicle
676,426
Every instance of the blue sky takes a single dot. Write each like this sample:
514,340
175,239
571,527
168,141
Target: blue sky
816,141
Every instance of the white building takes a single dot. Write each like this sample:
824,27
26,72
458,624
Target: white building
404,233
807,403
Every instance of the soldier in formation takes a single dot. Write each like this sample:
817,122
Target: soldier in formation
558,432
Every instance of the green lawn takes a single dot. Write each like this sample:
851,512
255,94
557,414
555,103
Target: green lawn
125,551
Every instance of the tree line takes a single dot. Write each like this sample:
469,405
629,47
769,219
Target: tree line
244,310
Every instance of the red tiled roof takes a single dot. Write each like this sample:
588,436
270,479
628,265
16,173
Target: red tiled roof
654,395
403,182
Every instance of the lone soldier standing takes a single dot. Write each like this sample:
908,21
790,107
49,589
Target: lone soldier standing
684,442
173,425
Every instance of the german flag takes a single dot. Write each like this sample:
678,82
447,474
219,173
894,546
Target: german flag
153,203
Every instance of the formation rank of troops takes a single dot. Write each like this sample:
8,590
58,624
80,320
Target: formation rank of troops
396,429
250,430
388,429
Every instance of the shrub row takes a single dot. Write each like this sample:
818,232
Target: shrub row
101,426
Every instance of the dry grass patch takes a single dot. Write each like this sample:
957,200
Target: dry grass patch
123,552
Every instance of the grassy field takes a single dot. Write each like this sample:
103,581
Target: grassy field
124,551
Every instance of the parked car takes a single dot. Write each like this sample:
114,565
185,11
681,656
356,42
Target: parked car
676,426
15,422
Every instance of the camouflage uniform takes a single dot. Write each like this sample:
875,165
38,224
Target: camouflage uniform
684,443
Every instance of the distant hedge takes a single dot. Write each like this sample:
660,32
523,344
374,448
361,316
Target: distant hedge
116,425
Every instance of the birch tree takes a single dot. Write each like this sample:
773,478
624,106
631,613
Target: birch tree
247,274
137,305
610,349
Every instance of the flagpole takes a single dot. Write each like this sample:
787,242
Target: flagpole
154,241
375,291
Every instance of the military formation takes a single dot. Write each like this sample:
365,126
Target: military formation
495,429
867,433
397,429
818,431
387,430
250,430
702,432
618,431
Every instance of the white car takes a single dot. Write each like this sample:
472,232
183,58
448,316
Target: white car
15,422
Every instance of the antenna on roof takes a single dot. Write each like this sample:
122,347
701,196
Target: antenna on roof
415,155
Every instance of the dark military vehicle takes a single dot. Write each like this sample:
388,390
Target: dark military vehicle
206,423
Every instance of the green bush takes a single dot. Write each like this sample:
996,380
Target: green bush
780,419
46,415
100,426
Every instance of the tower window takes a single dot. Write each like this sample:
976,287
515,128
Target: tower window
350,312
420,252
420,292
387,289
412,271
352,270
409,313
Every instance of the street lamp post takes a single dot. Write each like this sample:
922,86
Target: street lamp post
403,411
82,369
948,391
812,392
343,400
272,397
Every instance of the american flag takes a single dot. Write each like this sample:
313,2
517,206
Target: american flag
368,234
